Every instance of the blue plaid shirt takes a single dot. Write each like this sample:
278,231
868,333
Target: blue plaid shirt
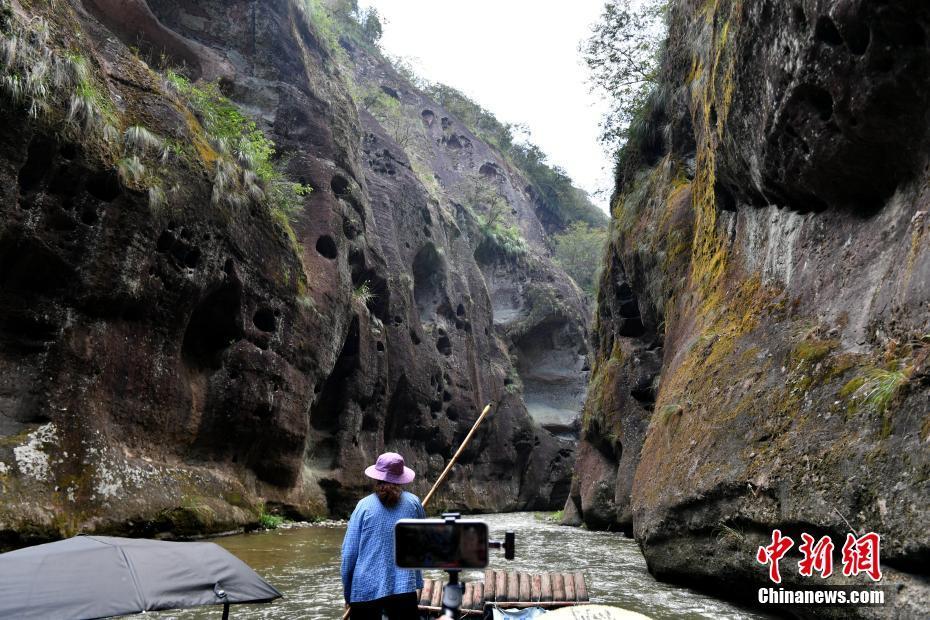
368,570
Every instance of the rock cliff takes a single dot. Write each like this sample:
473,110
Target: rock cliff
226,284
763,316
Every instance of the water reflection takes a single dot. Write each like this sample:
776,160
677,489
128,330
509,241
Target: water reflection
303,563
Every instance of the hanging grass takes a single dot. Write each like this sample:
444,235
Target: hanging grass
875,388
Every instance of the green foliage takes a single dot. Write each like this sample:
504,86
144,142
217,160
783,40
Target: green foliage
37,78
729,535
480,121
370,24
497,236
560,201
333,19
622,56
131,171
157,197
579,250
875,388
267,520
559,198
363,293
229,129
245,168
667,413
138,138
390,114
324,23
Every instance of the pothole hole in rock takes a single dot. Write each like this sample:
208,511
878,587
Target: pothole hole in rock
104,186
69,150
390,92
644,392
340,185
444,345
630,323
38,163
265,320
817,98
825,31
329,407
903,32
723,197
379,294
403,408
29,331
858,37
192,258
428,117
89,216
489,170
27,265
326,247
429,275
214,326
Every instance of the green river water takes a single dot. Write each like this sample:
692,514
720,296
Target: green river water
303,563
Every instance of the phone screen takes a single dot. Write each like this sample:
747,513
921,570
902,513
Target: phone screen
435,543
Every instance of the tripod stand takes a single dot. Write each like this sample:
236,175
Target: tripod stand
453,591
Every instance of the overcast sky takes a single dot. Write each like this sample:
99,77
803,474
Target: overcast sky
517,58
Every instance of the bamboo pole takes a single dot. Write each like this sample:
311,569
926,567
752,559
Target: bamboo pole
445,472
457,454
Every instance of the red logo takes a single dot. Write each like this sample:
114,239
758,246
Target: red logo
860,555
773,553
817,557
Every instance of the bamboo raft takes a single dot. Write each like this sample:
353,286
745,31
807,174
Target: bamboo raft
509,589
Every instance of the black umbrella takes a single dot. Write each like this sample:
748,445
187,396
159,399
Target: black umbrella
100,576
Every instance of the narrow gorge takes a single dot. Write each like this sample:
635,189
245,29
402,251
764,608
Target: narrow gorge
243,251
241,255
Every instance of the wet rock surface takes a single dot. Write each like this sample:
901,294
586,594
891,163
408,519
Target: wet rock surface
761,328
174,365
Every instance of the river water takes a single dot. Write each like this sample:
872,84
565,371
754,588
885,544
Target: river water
303,563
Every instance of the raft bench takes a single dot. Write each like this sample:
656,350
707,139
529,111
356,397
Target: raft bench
509,589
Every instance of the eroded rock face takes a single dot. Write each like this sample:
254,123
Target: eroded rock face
170,360
770,262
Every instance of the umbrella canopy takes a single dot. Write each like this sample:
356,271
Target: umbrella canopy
100,576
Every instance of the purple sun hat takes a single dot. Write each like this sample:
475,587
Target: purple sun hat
390,468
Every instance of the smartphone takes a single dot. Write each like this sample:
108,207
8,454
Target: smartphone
436,543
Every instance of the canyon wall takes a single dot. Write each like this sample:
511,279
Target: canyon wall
763,320
194,330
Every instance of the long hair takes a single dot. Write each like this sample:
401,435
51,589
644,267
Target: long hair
388,493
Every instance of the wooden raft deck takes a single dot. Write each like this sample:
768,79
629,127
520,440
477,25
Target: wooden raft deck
510,589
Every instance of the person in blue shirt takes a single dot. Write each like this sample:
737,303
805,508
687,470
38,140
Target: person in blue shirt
371,582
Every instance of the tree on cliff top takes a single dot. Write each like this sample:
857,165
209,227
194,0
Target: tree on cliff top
622,56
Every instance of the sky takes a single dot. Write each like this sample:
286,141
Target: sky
517,58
